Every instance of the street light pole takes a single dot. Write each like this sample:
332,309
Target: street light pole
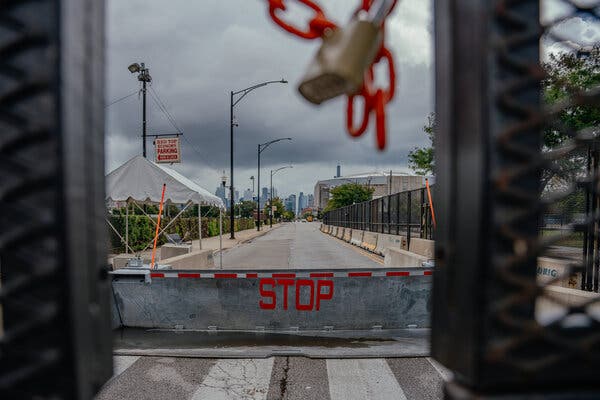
144,77
271,201
233,103
261,148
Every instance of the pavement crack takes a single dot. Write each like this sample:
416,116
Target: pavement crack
283,381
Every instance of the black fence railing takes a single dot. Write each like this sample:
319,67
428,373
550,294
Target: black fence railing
404,213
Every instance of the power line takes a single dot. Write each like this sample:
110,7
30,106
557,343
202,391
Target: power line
121,99
163,108
161,105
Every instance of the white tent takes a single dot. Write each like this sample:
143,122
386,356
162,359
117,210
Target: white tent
141,180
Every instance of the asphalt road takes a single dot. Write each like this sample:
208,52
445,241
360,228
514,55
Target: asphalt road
274,378
185,376
298,245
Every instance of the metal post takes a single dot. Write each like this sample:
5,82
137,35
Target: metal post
408,211
271,203
127,228
143,115
220,238
258,194
231,186
199,227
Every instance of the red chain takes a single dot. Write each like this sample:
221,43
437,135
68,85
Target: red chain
375,99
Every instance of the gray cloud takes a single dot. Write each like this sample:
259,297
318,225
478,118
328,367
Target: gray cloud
199,51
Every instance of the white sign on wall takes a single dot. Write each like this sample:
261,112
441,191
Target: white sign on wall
167,150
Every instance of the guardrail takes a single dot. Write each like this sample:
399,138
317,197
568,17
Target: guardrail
405,213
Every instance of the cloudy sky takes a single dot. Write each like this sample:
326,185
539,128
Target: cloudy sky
199,51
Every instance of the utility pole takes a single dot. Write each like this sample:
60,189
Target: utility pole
144,77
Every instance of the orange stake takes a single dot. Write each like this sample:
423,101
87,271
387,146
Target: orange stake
430,202
160,210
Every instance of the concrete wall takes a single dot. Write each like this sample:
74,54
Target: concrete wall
194,260
396,257
172,250
385,241
369,241
120,261
551,268
347,235
548,310
357,237
422,247
250,303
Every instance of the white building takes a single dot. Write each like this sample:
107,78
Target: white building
380,181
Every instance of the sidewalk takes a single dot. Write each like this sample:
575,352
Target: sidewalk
240,237
212,243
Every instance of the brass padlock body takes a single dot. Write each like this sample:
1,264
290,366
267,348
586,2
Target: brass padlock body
341,61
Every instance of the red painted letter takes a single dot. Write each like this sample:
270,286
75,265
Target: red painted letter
267,293
285,283
324,296
299,284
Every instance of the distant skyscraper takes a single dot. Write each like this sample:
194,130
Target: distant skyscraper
301,202
311,200
236,197
248,195
264,197
220,193
290,203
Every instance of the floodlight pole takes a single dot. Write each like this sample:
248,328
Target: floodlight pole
233,103
144,77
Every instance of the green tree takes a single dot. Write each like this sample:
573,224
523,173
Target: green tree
566,75
421,159
348,194
245,209
279,208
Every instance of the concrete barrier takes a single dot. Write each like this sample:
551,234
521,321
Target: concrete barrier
340,232
357,237
386,240
194,260
274,300
369,241
396,257
423,247
347,235
173,250
551,268
556,300
121,260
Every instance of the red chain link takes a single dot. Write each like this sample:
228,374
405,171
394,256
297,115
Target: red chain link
375,100
316,26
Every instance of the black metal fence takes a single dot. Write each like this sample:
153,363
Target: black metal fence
404,213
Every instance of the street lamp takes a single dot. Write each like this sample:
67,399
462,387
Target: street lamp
233,103
144,77
261,148
252,179
273,172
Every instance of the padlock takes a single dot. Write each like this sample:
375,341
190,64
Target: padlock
345,54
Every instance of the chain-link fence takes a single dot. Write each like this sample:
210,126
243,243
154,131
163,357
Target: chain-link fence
406,213
517,196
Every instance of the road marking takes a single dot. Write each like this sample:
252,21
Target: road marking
237,379
417,377
121,363
445,373
362,379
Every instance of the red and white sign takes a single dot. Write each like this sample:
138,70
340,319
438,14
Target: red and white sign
167,150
